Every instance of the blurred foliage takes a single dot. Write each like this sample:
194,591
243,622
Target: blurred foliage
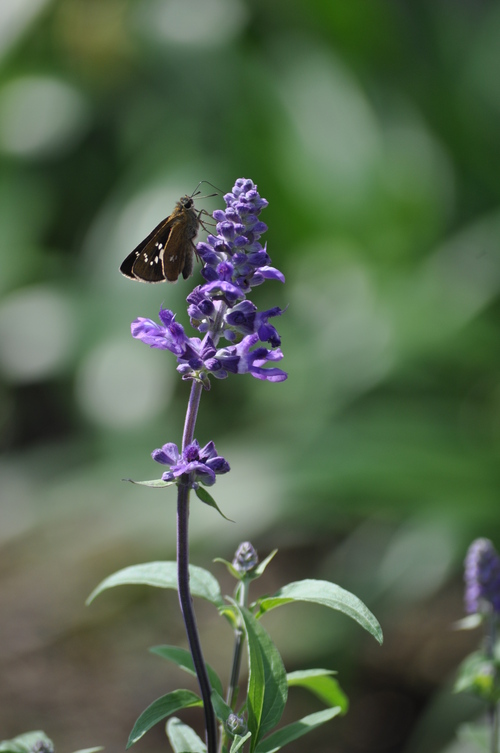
372,129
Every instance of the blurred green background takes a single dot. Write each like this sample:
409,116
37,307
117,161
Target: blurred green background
373,130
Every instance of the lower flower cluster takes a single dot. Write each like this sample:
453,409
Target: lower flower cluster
202,465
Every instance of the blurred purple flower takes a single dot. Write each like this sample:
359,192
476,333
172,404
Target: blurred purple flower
482,577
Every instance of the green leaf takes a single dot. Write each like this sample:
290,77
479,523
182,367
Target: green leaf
322,685
230,567
329,595
182,738
293,731
163,575
262,565
156,483
238,741
222,710
90,750
24,743
182,657
207,499
471,622
477,675
10,746
160,709
267,686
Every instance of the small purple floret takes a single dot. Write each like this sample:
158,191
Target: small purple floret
202,465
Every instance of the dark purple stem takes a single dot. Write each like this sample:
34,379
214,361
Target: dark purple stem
185,597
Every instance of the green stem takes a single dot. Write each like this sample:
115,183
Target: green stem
239,642
491,637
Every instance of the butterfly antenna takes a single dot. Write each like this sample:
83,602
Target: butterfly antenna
196,192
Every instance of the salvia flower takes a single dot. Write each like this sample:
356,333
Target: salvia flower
482,577
245,558
234,261
201,465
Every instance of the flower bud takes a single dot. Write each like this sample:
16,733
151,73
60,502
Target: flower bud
236,725
43,746
245,558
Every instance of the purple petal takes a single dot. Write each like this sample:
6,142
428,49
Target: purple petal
208,452
167,455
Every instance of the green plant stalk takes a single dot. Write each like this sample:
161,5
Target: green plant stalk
239,642
491,637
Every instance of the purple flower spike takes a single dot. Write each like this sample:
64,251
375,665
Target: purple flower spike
234,261
239,230
482,577
202,465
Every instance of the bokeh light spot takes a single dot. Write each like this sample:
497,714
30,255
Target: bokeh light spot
40,116
35,333
194,22
120,386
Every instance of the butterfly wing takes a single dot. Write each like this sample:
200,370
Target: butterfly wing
145,262
168,250
178,253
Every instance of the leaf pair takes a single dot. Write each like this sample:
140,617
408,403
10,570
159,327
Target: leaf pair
204,585
268,682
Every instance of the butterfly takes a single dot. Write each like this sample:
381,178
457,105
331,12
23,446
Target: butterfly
168,250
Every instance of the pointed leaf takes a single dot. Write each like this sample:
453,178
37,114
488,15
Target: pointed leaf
182,657
160,709
329,595
163,575
230,567
293,731
471,622
10,746
262,565
207,499
24,743
221,709
267,687
239,741
321,684
156,483
90,750
182,738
